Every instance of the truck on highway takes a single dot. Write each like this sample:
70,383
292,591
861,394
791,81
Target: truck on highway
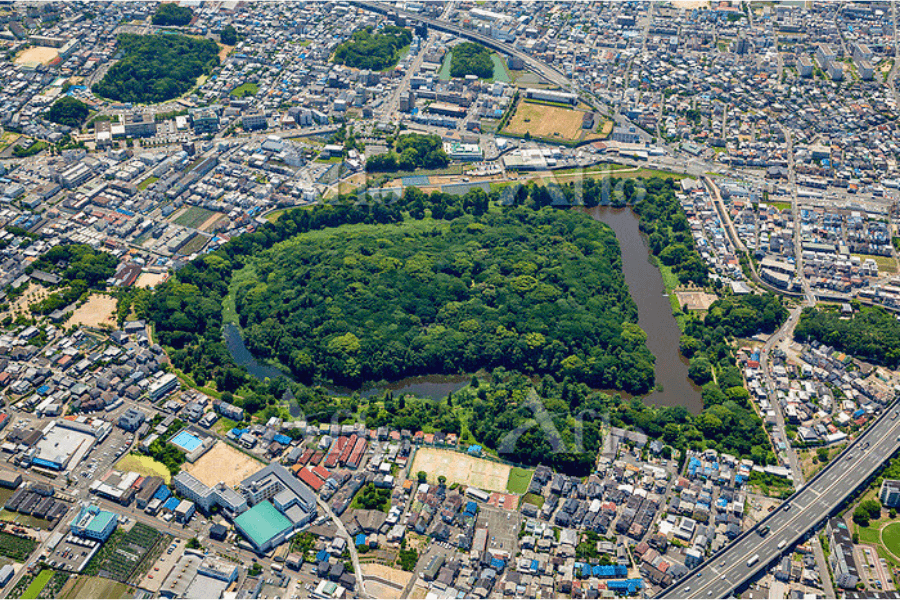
753,560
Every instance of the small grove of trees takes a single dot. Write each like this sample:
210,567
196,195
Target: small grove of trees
872,334
469,58
77,262
228,35
867,510
168,454
375,51
68,111
408,559
373,498
170,14
411,151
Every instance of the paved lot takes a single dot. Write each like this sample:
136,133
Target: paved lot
503,528
158,572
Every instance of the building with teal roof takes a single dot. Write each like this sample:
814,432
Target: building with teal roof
94,523
264,526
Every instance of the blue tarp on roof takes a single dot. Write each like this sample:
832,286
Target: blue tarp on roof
474,449
322,555
282,439
162,493
361,539
626,585
609,571
498,564
471,507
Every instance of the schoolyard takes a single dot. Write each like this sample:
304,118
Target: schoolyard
461,468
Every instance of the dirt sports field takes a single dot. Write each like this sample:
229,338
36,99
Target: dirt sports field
147,279
545,121
100,309
223,463
462,469
38,55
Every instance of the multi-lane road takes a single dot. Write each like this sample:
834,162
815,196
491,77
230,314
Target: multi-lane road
802,513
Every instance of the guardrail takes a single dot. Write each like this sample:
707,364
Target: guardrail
764,563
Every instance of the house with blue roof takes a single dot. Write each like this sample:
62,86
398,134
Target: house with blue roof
162,493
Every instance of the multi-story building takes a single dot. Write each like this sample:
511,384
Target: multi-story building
94,523
166,384
139,125
825,54
890,493
254,121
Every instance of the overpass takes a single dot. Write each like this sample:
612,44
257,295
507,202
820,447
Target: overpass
544,70
805,511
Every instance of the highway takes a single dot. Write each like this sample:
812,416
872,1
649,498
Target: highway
542,69
803,512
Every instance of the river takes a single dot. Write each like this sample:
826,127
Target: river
654,311
654,317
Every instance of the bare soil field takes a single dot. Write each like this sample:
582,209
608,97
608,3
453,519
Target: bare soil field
461,468
38,55
695,299
546,121
223,463
146,280
33,294
99,310
397,577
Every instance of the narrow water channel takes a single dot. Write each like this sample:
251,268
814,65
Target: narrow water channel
436,387
654,311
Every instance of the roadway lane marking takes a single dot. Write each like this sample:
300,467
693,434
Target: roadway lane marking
820,498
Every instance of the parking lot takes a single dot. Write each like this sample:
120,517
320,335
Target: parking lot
102,457
503,528
158,572
73,553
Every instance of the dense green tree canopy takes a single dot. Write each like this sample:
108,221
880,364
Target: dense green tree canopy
68,111
469,58
187,314
156,68
228,35
745,316
77,262
873,334
171,14
374,51
412,151
535,291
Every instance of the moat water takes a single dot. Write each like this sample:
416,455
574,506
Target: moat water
654,317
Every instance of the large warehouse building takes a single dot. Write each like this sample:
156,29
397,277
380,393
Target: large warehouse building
281,505
64,443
